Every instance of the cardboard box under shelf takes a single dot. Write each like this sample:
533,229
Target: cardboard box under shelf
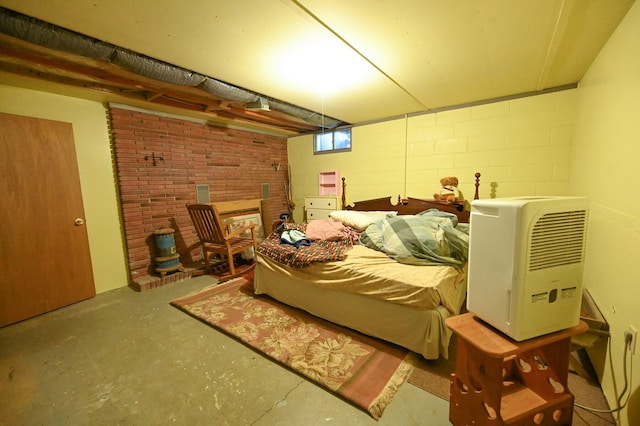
590,313
598,328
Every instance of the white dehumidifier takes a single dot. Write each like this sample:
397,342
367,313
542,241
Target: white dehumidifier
526,257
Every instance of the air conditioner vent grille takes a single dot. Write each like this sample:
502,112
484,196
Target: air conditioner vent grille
558,239
202,193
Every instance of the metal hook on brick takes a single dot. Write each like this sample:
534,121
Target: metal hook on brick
154,158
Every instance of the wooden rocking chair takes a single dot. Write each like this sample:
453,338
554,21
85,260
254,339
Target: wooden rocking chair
218,239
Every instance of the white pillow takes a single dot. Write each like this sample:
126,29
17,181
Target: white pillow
375,215
359,220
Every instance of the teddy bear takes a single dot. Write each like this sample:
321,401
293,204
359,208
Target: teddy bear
449,192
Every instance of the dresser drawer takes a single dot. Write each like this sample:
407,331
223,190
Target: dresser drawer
325,203
318,214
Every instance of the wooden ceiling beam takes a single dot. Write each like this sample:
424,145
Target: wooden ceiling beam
25,59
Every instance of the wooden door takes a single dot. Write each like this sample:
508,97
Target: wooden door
44,250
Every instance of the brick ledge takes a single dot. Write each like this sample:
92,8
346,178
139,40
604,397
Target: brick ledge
149,282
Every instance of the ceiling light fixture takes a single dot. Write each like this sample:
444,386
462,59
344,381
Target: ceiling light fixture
262,104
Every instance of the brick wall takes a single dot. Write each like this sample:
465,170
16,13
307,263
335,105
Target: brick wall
233,163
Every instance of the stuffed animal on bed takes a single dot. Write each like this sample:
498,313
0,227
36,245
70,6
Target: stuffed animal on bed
449,192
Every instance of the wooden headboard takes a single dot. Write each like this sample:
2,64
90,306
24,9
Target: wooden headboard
410,205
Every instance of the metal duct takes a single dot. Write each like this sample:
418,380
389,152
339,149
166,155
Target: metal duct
47,35
227,91
310,117
153,68
53,37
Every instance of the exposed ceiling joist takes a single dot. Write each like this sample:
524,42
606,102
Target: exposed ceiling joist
319,63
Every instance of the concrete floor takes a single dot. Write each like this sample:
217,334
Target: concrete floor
130,358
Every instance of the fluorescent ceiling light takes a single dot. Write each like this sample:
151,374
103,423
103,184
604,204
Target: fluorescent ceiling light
323,66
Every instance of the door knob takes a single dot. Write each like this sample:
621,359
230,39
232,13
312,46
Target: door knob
79,221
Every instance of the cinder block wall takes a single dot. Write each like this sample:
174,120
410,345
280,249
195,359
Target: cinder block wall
521,146
234,163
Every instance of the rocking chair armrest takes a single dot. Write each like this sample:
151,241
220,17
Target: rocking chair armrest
241,230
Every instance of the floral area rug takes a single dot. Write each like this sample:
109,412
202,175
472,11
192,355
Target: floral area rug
363,370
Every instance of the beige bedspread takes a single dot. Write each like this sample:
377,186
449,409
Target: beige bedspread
420,287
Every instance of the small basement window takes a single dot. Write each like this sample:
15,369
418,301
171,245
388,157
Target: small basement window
333,141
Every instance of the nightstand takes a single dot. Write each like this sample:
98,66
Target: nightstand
499,381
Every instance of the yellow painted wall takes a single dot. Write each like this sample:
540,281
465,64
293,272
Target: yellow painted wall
583,141
89,121
520,146
606,168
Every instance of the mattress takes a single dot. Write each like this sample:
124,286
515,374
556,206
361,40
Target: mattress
373,274
371,293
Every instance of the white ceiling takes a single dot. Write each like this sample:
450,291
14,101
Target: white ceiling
407,55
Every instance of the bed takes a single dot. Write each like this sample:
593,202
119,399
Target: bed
367,290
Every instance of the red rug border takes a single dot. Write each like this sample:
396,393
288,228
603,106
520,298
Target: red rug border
398,377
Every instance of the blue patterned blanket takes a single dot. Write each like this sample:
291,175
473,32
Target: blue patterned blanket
429,238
